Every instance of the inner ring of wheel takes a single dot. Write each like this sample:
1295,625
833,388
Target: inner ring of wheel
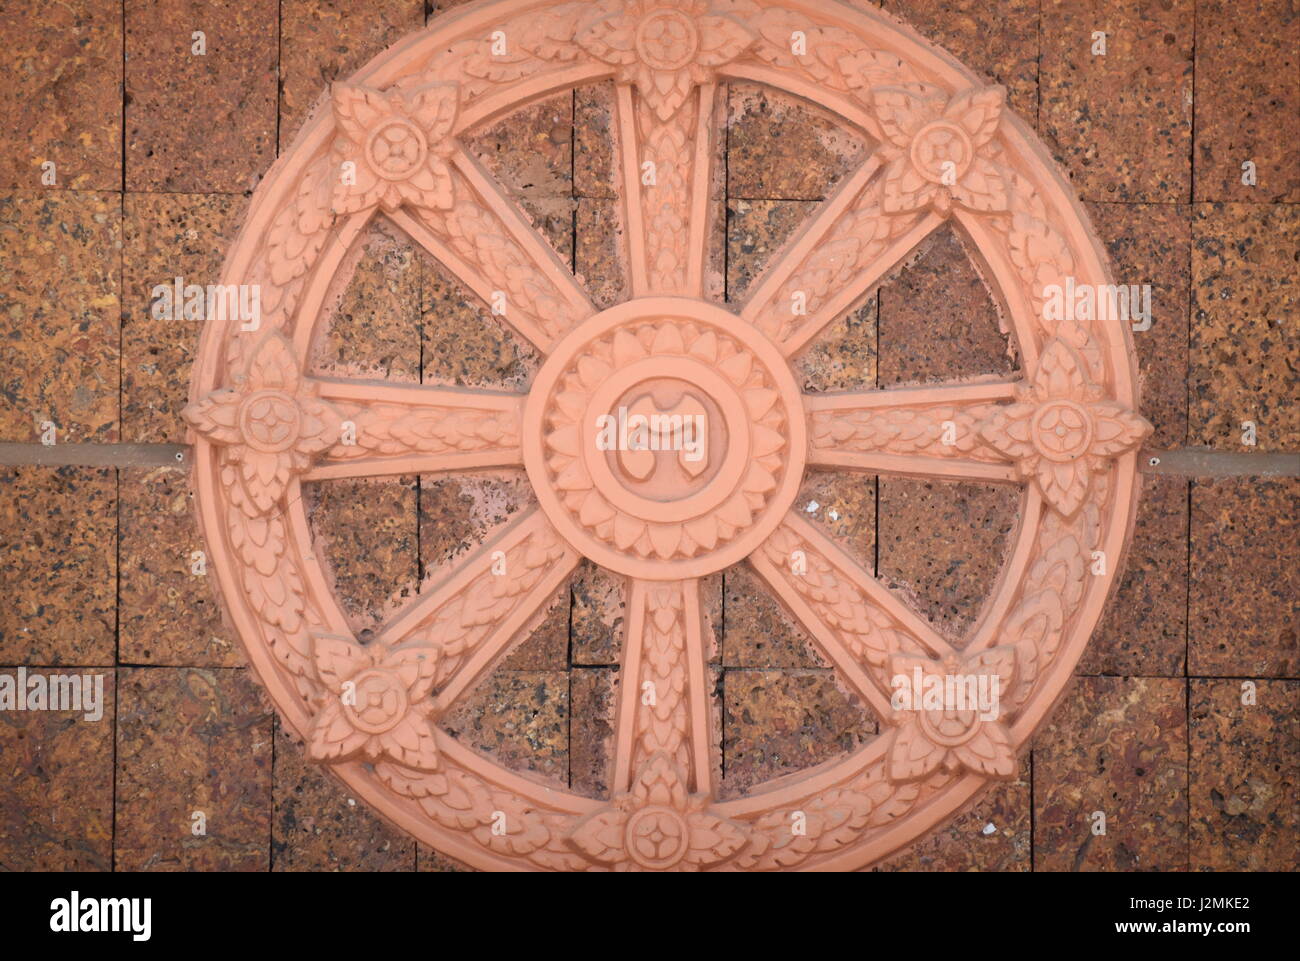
717,384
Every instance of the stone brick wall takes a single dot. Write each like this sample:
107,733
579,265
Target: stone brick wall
156,154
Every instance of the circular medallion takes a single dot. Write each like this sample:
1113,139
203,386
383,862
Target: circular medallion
665,437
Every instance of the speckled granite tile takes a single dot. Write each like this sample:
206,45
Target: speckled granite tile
1245,577
995,834
1245,808
595,162
1120,124
596,621
757,631
458,512
843,505
200,123
427,859
998,41
374,305
843,355
1247,99
937,320
61,101
1245,349
463,344
779,722
319,826
166,236
756,230
168,614
1152,244
544,643
1116,745
944,545
594,695
191,740
326,40
520,719
598,254
56,768
530,152
782,148
58,565
60,316
1143,630
365,532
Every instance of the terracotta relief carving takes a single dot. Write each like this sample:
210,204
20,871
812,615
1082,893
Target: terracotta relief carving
738,434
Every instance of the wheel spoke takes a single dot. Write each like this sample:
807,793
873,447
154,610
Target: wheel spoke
490,245
664,700
667,164
478,613
856,622
847,248
407,428
931,431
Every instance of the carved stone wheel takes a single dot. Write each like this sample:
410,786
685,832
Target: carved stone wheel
943,150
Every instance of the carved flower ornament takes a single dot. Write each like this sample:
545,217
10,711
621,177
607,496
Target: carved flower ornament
397,144
954,736
1061,429
665,47
657,826
270,424
379,705
935,150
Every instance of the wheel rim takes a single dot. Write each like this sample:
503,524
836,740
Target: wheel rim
262,427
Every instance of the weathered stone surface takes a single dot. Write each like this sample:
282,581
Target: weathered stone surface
56,775
1244,800
200,123
1245,577
1151,244
1117,745
1245,349
995,834
945,544
1091,104
61,100
520,718
318,826
1247,100
937,320
778,722
166,236
326,40
60,317
779,147
1144,629
168,613
58,565
192,741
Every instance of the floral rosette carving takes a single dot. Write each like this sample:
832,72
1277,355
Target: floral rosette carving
378,706
935,150
648,537
1062,429
270,425
657,826
397,143
928,739
665,47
